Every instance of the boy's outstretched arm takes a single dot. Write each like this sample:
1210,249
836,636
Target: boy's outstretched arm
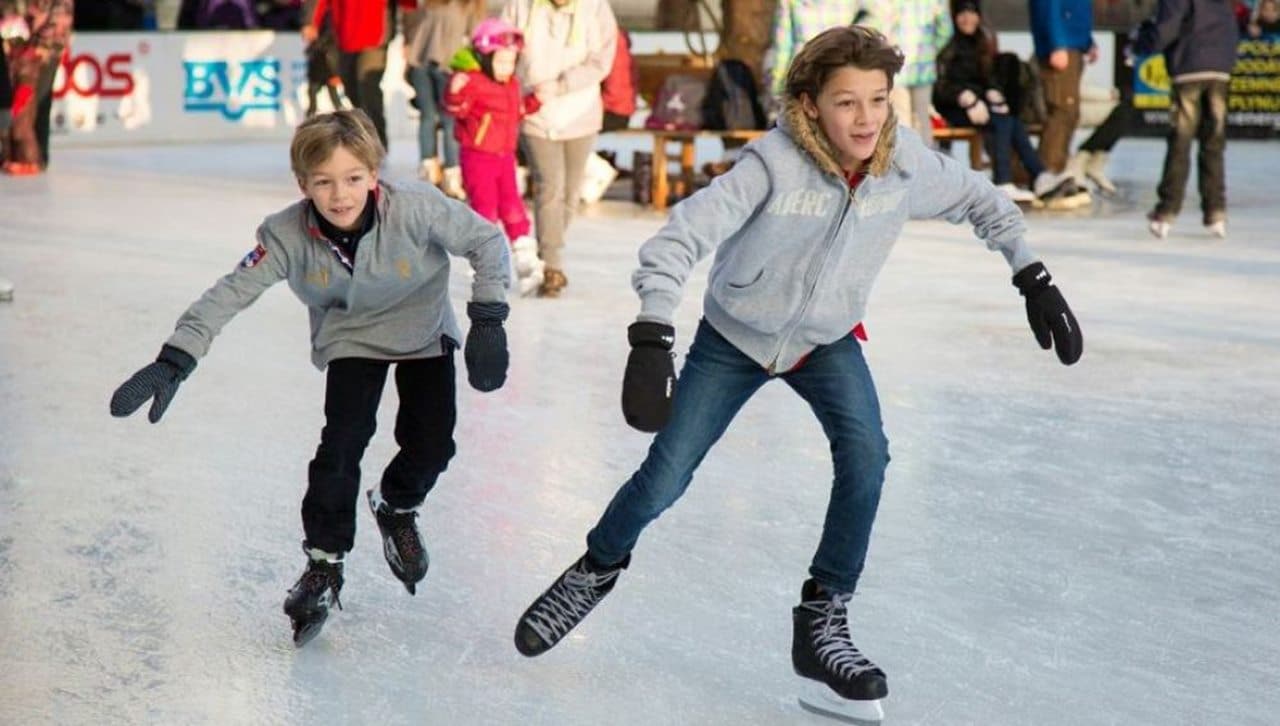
944,188
260,269
695,228
463,232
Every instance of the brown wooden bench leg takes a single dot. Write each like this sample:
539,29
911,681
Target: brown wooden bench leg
687,159
975,152
659,188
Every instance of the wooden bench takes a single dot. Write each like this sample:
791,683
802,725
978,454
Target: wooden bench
662,185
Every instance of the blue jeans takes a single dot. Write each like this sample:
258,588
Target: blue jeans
429,84
1005,134
716,381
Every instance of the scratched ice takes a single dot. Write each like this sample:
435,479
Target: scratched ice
1086,545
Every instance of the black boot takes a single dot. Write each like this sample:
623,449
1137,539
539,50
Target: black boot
822,649
308,602
401,543
558,610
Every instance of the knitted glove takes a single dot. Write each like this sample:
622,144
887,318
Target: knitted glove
1051,320
486,349
650,379
159,380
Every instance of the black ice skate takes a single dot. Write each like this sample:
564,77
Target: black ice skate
564,605
308,602
823,651
401,543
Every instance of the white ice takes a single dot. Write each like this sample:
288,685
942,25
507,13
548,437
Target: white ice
1085,545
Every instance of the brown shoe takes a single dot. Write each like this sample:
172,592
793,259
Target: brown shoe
553,281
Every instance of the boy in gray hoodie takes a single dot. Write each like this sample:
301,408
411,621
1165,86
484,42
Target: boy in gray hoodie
370,260
800,228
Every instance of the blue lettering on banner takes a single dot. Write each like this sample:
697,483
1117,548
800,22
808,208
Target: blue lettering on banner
212,87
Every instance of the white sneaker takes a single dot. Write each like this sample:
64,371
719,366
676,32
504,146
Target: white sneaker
529,268
452,183
1216,229
1048,185
1159,228
1017,194
1095,169
429,171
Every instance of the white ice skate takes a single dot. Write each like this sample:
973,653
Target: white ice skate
6,290
818,698
529,267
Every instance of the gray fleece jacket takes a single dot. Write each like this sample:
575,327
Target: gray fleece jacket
393,304
796,253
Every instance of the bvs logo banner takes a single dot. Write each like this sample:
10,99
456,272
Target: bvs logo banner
232,88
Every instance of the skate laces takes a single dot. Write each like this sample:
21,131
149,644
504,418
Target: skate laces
569,600
403,532
320,576
832,640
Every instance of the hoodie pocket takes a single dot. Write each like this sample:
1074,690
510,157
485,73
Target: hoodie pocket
763,300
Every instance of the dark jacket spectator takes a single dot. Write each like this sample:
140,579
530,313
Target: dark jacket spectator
217,15
1196,36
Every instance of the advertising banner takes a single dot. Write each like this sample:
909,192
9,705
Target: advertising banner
183,87
1253,104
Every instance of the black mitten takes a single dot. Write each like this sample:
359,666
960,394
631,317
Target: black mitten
159,380
650,380
1050,318
486,348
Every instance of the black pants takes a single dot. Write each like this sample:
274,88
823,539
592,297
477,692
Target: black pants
1114,127
424,431
361,74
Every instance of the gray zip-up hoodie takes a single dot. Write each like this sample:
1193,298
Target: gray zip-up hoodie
393,304
796,253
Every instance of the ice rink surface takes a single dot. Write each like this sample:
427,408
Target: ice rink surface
1086,545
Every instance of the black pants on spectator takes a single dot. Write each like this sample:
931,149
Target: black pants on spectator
1115,127
424,432
1198,111
361,75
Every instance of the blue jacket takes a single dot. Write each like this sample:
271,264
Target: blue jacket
1196,37
795,253
1061,24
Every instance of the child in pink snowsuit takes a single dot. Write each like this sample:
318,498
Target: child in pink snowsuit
484,99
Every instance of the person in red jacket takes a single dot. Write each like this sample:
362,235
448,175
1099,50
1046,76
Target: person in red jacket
618,90
363,29
484,99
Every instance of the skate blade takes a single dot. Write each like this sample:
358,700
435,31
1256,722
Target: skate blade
305,632
818,698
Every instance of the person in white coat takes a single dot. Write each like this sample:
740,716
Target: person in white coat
568,50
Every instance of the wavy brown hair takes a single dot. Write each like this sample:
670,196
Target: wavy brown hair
835,48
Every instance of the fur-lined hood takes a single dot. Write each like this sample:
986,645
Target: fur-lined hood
805,132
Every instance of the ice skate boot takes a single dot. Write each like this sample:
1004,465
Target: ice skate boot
843,683
401,543
1158,225
308,602
559,610
529,268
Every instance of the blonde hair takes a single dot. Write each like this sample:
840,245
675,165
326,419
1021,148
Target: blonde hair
315,139
836,48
